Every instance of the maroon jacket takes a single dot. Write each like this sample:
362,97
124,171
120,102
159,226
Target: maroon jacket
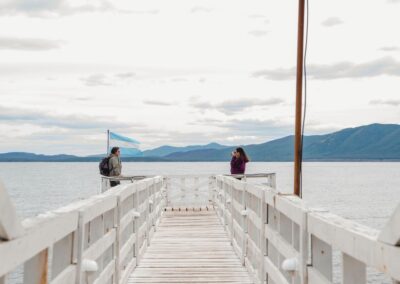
238,166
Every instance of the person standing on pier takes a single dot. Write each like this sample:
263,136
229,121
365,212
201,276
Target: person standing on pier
238,161
115,166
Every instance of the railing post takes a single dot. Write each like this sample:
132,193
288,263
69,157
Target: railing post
211,196
225,205
244,227
36,269
231,188
10,226
79,252
117,226
166,191
137,223
263,243
105,184
304,248
272,180
147,213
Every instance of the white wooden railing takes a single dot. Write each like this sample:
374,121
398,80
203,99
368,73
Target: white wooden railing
281,240
98,240
277,237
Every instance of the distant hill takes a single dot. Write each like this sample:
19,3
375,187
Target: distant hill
364,143
167,150
370,142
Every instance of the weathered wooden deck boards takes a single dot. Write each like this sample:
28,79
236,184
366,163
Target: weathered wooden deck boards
190,247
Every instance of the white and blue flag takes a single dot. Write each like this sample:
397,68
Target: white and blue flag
129,147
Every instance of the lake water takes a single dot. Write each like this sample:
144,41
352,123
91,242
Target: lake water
365,192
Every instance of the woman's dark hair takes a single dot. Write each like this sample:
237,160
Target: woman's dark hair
114,150
243,154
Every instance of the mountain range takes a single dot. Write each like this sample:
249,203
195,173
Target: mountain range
365,143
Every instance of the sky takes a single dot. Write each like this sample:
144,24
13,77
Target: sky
183,72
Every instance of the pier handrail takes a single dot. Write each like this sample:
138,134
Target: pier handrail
276,236
281,239
89,241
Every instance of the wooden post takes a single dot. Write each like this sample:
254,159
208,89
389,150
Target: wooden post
10,226
36,269
80,247
244,228
263,242
299,94
117,245
3,279
137,224
390,234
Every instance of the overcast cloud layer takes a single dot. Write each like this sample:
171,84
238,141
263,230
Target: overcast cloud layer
184,72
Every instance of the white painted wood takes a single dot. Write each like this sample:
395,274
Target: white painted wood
80,237
321,254
127,246
10,225
40,232
62,255
190,247
36,269
353,271
263,244
67,276
315,277
100,246
106,274
284,248
390,234
274,273
97,205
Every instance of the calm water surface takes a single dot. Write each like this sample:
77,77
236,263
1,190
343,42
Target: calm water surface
366,192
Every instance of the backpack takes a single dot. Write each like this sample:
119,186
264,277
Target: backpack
103,167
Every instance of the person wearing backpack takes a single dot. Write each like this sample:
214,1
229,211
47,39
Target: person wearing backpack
114,165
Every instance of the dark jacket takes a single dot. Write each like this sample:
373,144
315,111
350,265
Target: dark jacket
238,166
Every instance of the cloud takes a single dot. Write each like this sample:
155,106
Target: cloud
200,9
257,16
390,48
126,75
96,80
258,33
332,21
158,103
385,102
18,116
382,66
141,12
235,106
51,8
33,44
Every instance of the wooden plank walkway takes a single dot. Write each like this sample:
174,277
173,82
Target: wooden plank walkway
190,247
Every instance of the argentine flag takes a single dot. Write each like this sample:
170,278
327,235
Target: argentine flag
129,147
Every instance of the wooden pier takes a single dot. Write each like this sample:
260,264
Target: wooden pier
194,229
190,247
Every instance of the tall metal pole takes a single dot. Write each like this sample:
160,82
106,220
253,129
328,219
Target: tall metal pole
108,141
299,95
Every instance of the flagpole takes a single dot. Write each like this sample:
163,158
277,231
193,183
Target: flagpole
108,140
